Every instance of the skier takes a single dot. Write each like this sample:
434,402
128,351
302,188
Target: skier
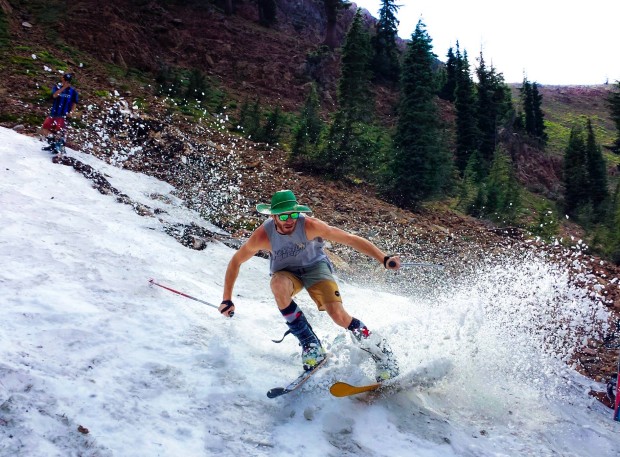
297,260
53,128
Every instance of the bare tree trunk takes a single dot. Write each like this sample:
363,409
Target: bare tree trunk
6,7
331,11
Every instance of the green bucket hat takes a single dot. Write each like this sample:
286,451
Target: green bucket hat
283,201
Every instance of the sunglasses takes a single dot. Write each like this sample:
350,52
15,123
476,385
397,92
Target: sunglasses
284,217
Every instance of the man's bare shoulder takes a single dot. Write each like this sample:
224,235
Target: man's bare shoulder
316,227
259,240
314,221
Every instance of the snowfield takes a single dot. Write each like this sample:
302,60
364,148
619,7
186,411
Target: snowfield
94,361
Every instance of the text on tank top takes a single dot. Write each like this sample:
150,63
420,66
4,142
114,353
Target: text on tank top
293,251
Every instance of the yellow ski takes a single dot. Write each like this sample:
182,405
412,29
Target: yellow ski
342,389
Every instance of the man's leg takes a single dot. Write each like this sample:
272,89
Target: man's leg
284,285
55,130
59,140
46,132
370,342
322,287
339,315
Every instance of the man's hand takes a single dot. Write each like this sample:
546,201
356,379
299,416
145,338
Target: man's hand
391,262
227,308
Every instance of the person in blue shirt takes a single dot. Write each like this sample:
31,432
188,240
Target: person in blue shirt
65,100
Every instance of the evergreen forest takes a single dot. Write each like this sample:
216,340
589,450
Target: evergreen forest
421,126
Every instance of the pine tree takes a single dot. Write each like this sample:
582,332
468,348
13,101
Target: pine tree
487,112
273,127
493,104
420,166
469,187
244,111
354,95
252,120
546,224
615,227
575,176
467,135
533,116
162,79
197,86
503,197
385,62
341,153
538,115
527,103
596,169
337,155
308,129
614,108
449,87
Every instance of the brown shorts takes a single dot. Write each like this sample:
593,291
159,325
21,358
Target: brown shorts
317,280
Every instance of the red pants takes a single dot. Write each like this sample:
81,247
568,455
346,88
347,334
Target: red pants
54,124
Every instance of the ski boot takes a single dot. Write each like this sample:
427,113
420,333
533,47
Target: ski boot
59,147
386,366
312,355
611,389
50,139
56,144
312,352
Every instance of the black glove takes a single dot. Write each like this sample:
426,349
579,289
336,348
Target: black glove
229,304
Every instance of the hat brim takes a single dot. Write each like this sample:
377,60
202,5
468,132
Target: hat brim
265,208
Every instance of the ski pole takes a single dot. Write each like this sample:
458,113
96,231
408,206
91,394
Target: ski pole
417,264
152,281
422,264
613,391
617,398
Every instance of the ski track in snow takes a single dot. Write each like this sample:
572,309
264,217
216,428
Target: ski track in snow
85,341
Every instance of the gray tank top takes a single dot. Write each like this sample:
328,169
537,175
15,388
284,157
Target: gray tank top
294,251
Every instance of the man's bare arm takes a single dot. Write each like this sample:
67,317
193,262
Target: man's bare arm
257,242
317,228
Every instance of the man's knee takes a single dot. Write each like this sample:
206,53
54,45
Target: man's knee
281,284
